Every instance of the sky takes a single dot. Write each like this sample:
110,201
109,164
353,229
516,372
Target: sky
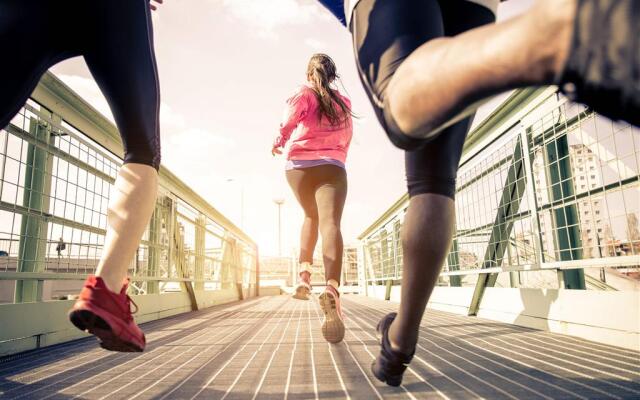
226,68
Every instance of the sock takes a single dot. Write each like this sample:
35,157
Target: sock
333,283
304,267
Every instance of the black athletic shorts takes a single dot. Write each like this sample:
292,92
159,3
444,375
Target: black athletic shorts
116,39
385,33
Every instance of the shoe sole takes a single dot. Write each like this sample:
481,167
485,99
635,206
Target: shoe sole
332,327
389,380
302,293
88,321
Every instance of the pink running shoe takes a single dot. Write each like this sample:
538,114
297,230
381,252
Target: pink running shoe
303,291
333,325
107,315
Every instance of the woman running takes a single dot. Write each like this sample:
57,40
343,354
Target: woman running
116,40
319,118
425,65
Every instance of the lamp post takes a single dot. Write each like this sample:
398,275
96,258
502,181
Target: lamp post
279,202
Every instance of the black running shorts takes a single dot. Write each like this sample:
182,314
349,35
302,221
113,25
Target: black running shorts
115,38
385,33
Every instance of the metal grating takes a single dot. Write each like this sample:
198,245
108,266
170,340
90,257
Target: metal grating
272,347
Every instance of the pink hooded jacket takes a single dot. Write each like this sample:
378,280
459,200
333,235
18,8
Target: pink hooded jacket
312,139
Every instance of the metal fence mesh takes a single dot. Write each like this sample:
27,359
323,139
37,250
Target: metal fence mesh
562,186
55,185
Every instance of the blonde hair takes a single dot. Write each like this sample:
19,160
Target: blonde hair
321,72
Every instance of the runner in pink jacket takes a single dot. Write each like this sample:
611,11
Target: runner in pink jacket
312,137
319,125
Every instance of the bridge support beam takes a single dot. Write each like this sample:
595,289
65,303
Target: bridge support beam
514,189
397,248
362,270
32,251
453,262
200,226
565,217
231,273
180,261
388,286
155,245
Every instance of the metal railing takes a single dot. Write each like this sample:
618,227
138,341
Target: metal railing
284,269
548,195
58,162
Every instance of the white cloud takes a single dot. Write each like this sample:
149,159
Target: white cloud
266,16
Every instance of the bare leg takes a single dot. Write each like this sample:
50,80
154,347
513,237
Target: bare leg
436,84
330,198
332,248
130,209
426,238
302,187
308,238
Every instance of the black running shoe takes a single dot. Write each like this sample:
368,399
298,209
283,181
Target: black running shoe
390,364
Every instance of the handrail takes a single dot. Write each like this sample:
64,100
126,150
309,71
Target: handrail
63,276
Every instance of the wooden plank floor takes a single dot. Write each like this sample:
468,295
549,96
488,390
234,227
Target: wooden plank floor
272,348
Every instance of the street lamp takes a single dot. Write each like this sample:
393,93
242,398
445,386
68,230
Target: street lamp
279,202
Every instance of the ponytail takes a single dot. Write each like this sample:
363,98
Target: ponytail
321,72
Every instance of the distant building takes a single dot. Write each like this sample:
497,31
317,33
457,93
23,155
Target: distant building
586,176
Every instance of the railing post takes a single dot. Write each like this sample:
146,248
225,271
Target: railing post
525,139
384,248
228,275
453,261
561,278
155,232
238,270
172,222
362,268
512,193
257,271
33,230
565,217
200,228
397,241
388,286
180,265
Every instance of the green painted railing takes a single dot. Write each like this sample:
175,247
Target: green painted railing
548,196
58,162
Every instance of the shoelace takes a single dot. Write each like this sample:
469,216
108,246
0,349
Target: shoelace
336,295
130,301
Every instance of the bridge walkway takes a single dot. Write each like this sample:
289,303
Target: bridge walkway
272,348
